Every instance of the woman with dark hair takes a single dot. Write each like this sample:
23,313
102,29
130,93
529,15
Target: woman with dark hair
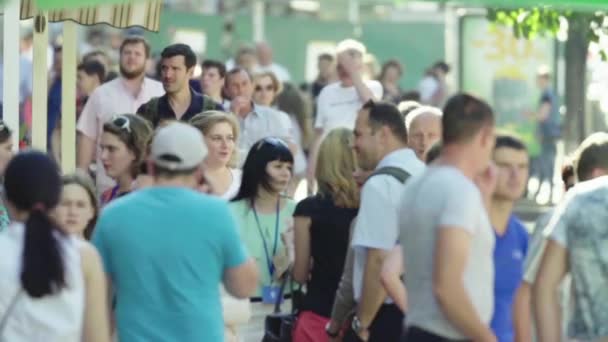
78,209
263,215
6,154
53,287
124,144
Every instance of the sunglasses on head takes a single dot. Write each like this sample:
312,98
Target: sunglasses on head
267,88
276,142
122,122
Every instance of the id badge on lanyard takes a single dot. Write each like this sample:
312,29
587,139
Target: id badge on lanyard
270,293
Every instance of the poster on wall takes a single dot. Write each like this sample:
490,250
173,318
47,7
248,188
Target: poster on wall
502,69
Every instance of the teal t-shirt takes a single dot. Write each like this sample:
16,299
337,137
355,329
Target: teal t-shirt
250,235
166,250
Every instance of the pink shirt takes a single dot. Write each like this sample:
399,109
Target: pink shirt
110,99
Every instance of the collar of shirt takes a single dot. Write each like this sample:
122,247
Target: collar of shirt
144,84
404,158
165,111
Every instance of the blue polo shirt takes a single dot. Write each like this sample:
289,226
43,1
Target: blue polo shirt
509,255
165,250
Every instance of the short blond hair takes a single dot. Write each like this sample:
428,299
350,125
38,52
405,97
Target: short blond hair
335,166
205,121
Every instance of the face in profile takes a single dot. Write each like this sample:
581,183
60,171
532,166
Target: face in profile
115,155
6,154
365,143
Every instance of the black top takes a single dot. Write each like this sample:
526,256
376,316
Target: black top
165,112
329,239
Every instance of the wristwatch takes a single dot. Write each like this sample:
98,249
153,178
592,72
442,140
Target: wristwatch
329,332
357,326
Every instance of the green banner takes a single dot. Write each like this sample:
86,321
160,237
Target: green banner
64,4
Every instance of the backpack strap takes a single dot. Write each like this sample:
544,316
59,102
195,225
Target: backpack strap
398,173
209,103
150,111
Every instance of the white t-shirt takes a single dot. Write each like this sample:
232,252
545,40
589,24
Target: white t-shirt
237,175
337,106
57,317
444,197
376,226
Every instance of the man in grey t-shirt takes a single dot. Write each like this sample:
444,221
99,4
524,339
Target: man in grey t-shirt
445,232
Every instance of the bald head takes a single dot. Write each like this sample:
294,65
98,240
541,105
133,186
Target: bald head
264,53
423,130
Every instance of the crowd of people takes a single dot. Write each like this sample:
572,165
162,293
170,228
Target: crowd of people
189,230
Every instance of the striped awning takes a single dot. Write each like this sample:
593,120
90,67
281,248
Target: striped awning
145,14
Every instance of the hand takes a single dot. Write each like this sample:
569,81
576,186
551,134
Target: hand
363,335
240,106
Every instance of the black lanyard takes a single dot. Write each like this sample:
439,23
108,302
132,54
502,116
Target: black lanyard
276,237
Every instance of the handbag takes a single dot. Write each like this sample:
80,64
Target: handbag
278,326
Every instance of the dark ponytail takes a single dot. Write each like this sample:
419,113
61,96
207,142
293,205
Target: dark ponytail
43,270
33,186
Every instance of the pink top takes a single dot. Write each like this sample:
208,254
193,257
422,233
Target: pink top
110,99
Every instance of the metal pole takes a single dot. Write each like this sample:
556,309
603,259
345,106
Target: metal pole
11,69
68,98
258,13
40,93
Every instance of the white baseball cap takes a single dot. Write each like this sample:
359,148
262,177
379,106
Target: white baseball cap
178,146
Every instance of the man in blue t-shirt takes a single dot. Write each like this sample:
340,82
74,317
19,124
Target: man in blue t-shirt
512,313
166,249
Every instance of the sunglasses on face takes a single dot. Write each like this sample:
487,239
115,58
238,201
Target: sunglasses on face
267,88
122,122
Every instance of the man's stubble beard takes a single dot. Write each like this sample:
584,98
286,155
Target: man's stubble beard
133,74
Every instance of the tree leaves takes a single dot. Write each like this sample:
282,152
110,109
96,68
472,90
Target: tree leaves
528,23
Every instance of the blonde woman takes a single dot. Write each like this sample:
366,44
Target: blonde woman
266,88
221,132
321,229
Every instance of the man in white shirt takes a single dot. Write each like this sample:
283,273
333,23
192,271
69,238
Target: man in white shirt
381,145
339,102
257,122
124,94
445,231
266,63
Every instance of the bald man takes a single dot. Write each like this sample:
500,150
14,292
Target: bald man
266,63
423,129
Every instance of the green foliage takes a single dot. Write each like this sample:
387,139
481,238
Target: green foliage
531,22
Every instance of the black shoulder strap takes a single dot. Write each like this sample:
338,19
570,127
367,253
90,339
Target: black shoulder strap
400,174
209,104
